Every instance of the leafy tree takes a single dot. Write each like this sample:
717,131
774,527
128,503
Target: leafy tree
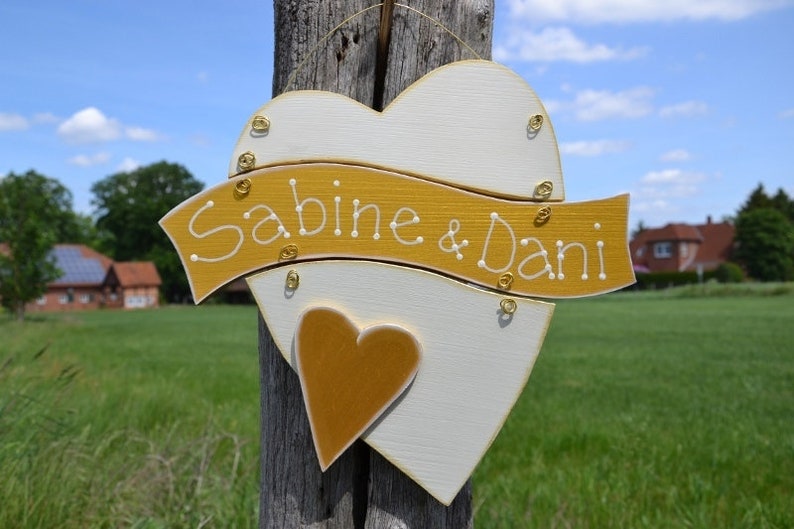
765,235
34,210
783,203
641,227
729,273
78,228
128,206
758,199
765,240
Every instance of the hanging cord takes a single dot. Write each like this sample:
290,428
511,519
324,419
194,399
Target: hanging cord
328,35
442,26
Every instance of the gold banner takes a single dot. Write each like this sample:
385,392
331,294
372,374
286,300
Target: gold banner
273,216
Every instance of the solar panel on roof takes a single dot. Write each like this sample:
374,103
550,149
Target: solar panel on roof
76,268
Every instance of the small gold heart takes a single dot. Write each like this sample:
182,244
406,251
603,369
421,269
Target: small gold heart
349,378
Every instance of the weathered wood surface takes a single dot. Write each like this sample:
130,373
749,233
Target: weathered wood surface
361,490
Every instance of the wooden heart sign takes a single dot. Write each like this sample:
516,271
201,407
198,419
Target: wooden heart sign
371,238
348,377
460,174
333,210
475,358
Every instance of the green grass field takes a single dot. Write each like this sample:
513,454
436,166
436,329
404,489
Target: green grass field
660,410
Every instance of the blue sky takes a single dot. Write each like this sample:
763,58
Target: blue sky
687,105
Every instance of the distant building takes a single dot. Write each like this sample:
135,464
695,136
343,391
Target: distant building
682,247
91,280
132,285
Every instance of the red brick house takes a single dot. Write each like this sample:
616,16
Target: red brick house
133,285
91,280
682,247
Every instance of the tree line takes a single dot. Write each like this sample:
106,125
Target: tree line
36,212
764,240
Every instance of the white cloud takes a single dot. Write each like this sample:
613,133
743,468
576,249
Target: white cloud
787,114
676,155
85,160
13,122
669,184
557,44
656,212
89,125
18,122
653,205
686,109
594,148
45,118
594,105
141,134
128,165
671,176
622,11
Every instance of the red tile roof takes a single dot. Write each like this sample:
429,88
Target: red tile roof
716,247
715,242
88,253
674,232
137,274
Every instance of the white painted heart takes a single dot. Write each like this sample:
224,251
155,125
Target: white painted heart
475,359
466,124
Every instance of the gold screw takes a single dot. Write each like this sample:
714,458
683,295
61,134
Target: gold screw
544,189
246,161
293,280
543,215
505,281
509,306
260,124
242,188
535,121
288,252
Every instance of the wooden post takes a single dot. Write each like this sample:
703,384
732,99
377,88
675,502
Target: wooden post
371,58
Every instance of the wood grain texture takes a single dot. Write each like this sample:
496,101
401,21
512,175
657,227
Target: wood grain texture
294,492
359,212
291,481
475,358
349,376
419,45
344,63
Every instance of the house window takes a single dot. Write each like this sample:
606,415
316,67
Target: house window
683,249
63,299
86,298
663,250
41,300
135,302
640,251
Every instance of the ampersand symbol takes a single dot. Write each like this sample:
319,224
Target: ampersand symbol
453,247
